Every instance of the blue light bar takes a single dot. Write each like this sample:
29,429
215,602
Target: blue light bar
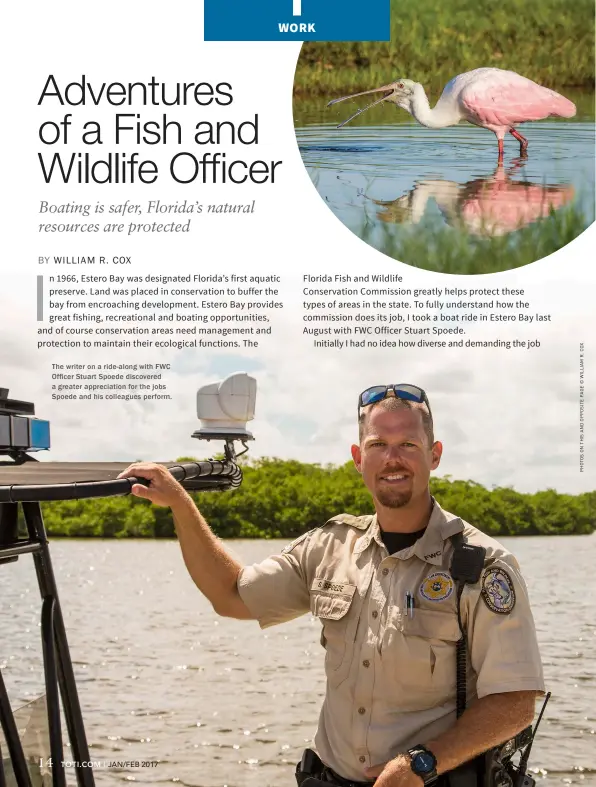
39,435
20,433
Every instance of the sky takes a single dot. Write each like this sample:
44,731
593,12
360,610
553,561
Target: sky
505,417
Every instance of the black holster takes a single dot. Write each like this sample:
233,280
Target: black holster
309,770
311,781
312,772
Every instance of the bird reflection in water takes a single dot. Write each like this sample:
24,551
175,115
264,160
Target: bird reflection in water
494,205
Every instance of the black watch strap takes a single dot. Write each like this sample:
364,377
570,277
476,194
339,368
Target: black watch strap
428,776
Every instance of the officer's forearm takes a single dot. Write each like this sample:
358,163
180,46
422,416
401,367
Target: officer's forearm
214,571
488,722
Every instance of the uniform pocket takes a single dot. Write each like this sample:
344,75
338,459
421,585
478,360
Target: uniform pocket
431,624
335,608
424,658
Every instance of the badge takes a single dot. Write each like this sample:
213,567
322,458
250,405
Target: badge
498,591
437,586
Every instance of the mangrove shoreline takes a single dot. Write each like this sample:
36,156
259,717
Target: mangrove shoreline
551,42
285,498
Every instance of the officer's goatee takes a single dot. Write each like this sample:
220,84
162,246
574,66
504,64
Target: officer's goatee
394,499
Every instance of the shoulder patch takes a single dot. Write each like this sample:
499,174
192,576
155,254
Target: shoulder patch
498,591
361,522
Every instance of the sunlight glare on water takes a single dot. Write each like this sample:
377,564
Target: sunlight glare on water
219,702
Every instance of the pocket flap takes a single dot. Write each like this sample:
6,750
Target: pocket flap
329,599
432,625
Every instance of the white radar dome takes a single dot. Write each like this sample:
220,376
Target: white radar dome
225,407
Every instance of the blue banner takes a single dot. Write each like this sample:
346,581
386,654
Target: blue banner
297,20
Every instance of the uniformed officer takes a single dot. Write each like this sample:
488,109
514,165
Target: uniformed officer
382,589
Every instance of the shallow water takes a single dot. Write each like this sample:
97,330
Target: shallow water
219,702
383,179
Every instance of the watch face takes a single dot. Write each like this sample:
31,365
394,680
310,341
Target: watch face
424,762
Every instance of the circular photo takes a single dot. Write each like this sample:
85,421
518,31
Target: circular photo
463,145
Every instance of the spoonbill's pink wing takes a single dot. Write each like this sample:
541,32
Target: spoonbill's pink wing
500,207
504,98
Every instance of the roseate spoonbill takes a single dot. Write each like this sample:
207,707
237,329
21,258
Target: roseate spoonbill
494,205
488,97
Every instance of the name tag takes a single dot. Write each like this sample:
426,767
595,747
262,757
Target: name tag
332,587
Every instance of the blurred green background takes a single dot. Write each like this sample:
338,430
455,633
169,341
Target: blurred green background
550,41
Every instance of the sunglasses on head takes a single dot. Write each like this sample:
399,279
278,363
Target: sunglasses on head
411,393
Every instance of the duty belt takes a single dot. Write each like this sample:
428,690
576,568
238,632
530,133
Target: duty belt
312,772
341,782
326,776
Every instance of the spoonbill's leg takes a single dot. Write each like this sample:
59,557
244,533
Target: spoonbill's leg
499,175
501,150
523,142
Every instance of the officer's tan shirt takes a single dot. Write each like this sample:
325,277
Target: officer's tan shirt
391,674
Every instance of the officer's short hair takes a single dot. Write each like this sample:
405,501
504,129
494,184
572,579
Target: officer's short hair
392,403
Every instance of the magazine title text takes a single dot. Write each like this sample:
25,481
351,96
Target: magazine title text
135,128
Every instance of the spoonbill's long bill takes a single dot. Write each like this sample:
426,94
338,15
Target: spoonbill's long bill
489,97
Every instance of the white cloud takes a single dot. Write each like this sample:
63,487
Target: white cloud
505,417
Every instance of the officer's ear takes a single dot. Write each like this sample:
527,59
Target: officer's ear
437,452
357,457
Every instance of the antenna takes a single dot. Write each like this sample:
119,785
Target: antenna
523,762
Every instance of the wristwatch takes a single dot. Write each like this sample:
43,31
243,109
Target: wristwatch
424,763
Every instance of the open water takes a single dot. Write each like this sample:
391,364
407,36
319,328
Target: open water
383,176
218,702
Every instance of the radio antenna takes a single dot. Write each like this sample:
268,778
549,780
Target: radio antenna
523,763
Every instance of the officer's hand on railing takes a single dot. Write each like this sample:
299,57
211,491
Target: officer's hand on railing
395,773
163,489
